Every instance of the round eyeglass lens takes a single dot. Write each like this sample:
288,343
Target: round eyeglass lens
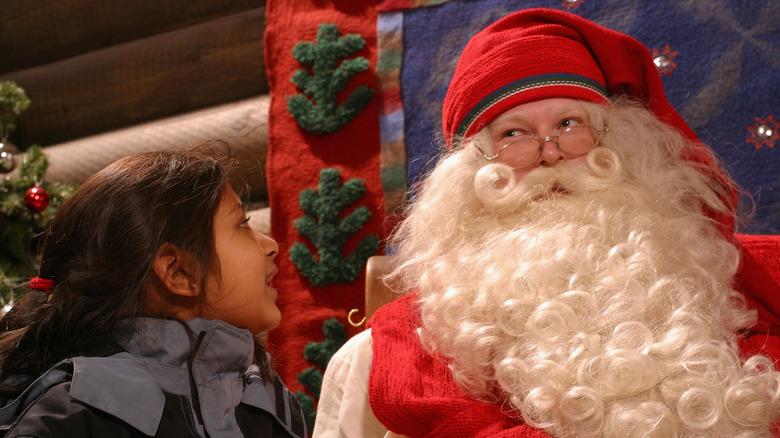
578,140
520,153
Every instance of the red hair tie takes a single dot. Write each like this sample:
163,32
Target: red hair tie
43,284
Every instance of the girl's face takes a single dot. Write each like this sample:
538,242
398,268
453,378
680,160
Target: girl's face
243,296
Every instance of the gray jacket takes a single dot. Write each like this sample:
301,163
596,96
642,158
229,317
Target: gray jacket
157,387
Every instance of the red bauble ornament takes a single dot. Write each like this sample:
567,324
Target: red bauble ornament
36,199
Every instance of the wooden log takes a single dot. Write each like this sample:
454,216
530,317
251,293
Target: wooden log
173,73
36,32
260,219
243,124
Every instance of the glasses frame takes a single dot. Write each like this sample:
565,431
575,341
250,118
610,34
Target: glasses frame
554,139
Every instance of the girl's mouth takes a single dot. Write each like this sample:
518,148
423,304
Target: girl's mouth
270,276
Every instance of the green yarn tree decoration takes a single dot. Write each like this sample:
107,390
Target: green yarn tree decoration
317,110
307,406
323,226
319,353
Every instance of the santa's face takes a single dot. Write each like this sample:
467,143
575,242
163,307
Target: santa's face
541,133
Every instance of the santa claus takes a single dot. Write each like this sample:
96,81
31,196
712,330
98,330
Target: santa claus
569,264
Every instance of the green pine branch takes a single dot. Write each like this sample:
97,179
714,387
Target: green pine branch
317,110
13,101
323,226
20,227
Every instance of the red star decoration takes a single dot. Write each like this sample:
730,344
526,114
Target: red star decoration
664,60
764,132
571,4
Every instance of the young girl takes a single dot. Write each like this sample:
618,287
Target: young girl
144,318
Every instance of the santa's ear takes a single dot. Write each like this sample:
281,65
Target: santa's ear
174,270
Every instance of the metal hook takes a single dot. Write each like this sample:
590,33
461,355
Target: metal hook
352,323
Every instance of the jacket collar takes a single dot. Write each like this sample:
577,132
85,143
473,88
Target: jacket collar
223,347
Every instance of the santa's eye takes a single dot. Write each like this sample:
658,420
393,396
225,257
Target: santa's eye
570,123
515,134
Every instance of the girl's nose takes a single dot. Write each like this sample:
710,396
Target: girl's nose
269,245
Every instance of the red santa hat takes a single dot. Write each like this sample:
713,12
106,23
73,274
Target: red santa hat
540,53
543,53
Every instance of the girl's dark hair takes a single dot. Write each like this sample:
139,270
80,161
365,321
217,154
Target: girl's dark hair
100,246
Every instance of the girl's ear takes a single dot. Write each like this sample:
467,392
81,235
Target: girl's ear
174,271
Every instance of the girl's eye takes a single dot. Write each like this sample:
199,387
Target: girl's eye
245,222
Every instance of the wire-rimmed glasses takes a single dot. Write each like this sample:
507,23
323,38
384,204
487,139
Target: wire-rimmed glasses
525,152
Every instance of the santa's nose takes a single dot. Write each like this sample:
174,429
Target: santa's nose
551,154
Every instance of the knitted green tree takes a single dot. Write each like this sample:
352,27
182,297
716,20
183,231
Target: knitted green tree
24,217
323,226
317,110
319,353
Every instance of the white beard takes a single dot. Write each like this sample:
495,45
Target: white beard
586,302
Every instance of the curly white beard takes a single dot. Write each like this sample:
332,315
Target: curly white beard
592,297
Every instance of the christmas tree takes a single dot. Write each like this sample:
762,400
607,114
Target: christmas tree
27,202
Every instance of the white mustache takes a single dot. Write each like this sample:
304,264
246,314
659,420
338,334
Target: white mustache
496,185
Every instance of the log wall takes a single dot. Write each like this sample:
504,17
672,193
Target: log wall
111,78
244,123
38,32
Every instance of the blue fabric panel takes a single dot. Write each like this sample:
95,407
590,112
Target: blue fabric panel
727,75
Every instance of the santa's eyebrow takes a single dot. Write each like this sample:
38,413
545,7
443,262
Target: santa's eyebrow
509,118
567,109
